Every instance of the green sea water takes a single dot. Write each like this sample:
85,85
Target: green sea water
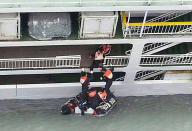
149,113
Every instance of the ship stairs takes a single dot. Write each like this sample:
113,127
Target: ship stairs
152,48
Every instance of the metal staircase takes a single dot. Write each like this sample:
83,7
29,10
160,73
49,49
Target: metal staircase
136,30
168,16
184,59
152,48
143,75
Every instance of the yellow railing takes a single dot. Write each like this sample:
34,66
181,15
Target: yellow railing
124,18
160,23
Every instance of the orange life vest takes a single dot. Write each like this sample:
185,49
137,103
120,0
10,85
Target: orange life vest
71,107
106,48
102,94
83,79
108,74
92,93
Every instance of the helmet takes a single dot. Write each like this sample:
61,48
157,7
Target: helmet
83,73
65,110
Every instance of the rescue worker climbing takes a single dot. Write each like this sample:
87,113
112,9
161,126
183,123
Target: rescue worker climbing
97,60
106,49
108,78
85,82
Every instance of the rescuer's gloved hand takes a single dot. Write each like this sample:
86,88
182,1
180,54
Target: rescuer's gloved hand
83,69
83,106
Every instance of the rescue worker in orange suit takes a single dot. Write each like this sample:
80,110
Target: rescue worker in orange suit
106,49
97,60
108,78
96,96
85,82
92,96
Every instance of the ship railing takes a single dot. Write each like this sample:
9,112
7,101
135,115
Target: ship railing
125,16
177,59
41,63
143,75
170,15
116,61
152,46
159,28
166,60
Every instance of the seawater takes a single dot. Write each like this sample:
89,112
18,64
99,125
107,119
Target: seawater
148,113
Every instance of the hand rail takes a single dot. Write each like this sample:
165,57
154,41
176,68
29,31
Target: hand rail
142,75
162,28
166,60
116,61
42,63
137,28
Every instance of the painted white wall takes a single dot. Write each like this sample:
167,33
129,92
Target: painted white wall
141,88
178,75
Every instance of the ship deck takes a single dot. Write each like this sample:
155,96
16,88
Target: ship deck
46,51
